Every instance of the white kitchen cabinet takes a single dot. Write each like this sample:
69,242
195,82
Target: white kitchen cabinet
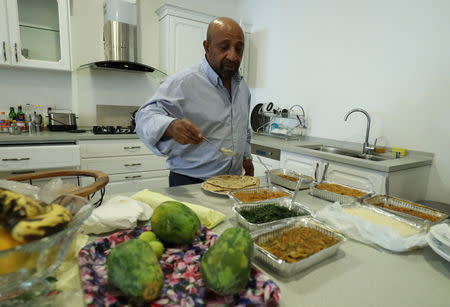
260,170
35,34
128,163
181,34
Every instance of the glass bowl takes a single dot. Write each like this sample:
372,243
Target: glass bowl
25,267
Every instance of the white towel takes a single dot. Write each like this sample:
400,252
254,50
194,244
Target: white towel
120,212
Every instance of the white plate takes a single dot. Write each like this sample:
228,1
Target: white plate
434,244
442,233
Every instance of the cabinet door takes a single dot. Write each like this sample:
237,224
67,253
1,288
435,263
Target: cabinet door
5,58
185,43
356,177
305,165
39,33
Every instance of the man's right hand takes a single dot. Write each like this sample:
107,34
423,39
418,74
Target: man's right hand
184,132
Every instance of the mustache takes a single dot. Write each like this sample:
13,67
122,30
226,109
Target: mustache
231,63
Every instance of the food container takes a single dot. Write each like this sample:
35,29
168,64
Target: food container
407,205
237,209
276,179
30,264
282,267
233,194
331,196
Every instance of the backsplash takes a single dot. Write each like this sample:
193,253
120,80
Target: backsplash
111,115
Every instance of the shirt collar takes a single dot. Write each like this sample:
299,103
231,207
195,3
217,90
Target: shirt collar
214,77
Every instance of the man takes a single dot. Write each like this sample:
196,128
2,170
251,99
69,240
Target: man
208,100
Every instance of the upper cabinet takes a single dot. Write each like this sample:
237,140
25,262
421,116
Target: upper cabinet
181,36
35,34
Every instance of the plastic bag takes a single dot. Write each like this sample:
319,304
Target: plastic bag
367,232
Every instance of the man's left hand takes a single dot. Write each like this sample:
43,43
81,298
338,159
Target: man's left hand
247,164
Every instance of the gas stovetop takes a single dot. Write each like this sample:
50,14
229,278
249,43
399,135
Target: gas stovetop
113,130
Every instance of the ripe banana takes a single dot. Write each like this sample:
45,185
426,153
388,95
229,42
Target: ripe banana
53,220
15,206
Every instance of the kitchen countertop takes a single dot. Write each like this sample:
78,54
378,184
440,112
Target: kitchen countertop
411,160
358,275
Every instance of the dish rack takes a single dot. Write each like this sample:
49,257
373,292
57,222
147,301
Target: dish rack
101,180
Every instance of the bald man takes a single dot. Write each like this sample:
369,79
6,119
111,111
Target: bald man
211,100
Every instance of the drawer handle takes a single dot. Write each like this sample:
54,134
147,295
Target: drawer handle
132,147
132,177
15,159
133,164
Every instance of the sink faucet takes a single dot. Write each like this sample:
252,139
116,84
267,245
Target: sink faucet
366,147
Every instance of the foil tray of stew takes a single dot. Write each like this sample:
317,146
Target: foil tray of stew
286,203
407,209
286,268
280,177
259,192
334,196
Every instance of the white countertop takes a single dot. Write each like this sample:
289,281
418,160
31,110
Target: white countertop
411,160
358,275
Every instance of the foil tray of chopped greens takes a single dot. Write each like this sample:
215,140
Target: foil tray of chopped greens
254,216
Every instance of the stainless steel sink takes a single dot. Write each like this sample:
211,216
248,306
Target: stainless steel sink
345,152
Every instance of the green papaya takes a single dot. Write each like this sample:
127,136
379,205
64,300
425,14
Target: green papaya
133,267
226,266
174,222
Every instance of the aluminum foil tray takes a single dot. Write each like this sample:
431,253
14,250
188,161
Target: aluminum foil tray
282,267
330,196
237,209
406,204
275,179
275,188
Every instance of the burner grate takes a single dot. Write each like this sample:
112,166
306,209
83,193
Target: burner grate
113,130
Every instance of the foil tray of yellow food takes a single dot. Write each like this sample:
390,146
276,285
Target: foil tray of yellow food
357,196
407,209
286,202
259,195
288,179
285,268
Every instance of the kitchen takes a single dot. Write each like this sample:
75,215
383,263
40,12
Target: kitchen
389,59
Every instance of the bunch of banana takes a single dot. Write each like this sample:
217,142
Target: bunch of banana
28,219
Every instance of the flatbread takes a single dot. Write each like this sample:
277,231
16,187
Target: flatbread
231,182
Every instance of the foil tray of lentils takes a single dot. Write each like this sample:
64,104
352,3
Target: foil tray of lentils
294,207
237,195
276,177
407,209
282,267
333,196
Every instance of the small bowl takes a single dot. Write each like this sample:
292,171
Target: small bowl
30,264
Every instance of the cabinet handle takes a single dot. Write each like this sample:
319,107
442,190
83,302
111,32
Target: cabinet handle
133,164
15,159
132,177
4,50
132,147
15,50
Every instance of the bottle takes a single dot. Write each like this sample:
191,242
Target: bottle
12,114
4,123
20,118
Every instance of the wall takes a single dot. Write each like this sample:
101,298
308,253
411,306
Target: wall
82,90
389,57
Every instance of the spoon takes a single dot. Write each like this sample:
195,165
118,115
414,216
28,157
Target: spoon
267,174
225,151
297,188
386,187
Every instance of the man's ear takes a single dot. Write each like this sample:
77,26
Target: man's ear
206,46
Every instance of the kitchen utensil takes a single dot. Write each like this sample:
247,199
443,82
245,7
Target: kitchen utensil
269,182
386,187
225,151
297,188
324,172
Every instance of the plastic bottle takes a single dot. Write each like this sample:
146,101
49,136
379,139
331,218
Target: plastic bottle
4,122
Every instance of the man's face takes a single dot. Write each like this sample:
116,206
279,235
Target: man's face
224,51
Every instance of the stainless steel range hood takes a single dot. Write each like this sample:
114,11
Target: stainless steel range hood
120,39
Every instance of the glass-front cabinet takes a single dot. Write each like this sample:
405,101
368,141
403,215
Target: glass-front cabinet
35,33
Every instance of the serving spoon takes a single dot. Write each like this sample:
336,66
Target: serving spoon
225,151
267,174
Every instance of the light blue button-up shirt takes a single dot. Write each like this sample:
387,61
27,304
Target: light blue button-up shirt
198,94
